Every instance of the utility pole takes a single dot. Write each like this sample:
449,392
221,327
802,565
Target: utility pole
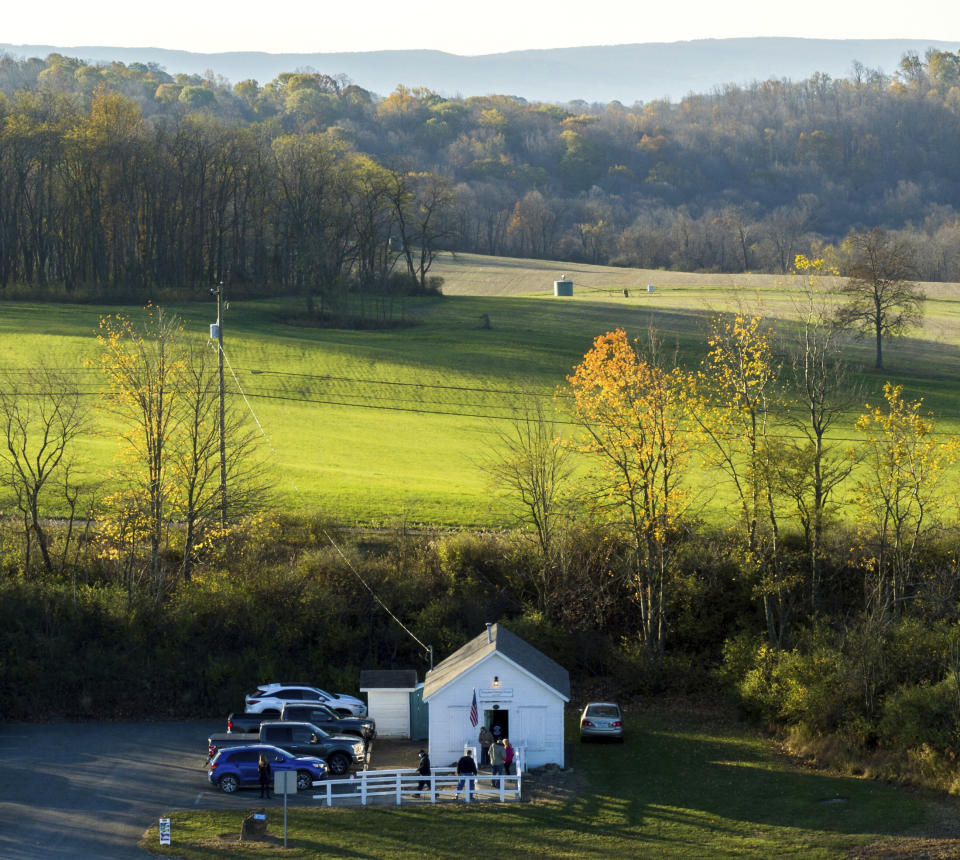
223,442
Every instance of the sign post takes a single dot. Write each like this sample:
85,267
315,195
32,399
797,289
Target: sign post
285,782
164,831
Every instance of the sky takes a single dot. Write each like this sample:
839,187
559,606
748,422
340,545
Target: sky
488,27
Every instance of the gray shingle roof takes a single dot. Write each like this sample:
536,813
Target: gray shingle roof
388,679
511,646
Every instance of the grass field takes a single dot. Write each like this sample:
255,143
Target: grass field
673,789
383,426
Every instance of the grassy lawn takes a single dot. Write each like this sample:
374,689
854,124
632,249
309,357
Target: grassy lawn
673,789
386,426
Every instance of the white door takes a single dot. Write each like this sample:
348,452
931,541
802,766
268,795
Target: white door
459,730
533,727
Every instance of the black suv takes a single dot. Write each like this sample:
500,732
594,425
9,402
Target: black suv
340,752
330,721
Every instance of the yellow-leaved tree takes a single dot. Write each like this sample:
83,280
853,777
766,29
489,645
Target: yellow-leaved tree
738,392
631,409
900,494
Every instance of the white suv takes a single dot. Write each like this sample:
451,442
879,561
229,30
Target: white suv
272,697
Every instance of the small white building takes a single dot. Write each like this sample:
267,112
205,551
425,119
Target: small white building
518,689
389,693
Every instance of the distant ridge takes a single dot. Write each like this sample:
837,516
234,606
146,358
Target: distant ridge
627,73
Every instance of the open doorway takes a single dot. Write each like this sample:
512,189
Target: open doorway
498,721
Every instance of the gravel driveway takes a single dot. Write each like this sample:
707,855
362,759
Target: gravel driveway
72,790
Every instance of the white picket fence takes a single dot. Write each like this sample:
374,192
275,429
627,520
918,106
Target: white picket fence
403,783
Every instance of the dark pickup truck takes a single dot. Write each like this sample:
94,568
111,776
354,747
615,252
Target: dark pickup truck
341,752
315,713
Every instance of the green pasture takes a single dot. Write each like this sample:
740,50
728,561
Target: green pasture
673,789
376,426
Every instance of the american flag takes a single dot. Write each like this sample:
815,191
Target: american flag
474,713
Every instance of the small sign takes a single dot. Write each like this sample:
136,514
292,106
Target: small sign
259,816
285,782
164,831
496,693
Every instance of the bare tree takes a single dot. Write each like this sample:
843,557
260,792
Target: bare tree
41,415
814,468
532,462
195,457
881,298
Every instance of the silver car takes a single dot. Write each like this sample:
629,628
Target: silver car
601,720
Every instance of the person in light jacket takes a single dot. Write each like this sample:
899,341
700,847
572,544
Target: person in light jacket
497,758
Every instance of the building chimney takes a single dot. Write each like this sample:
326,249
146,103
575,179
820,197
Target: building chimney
489,632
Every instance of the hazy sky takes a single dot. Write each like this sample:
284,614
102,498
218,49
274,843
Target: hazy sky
295,26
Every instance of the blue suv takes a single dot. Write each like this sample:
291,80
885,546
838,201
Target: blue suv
236,767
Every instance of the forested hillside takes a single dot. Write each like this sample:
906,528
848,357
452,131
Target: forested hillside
121,179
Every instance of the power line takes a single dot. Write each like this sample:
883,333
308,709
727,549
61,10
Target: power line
323,529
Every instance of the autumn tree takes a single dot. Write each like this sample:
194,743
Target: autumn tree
881,299
899,493
738,391
142,364
631,408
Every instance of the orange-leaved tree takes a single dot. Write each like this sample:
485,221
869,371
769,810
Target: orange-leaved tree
631,408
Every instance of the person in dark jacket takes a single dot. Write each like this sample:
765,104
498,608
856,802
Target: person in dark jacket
485,739
263,769
466,767
424,770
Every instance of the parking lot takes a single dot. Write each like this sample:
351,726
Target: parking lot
72,790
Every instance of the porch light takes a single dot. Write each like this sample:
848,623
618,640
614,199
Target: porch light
496,682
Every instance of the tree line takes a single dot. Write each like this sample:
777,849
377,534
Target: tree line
833,551
125,179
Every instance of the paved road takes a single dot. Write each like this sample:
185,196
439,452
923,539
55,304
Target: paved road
89,790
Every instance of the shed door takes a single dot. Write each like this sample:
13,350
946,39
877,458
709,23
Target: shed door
419,716
533,727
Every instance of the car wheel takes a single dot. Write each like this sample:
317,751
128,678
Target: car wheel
304,780
338,763
229,783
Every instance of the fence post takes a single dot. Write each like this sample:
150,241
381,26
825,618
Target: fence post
399,792
363,788
433,788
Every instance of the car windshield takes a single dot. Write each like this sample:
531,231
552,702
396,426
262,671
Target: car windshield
603,711
320,733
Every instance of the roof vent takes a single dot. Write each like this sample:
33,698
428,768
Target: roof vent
489,632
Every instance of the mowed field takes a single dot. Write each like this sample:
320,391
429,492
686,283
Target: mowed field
379,427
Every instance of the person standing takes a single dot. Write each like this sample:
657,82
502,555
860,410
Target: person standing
497,757
466,770
486,738
423,768
263,769
508,753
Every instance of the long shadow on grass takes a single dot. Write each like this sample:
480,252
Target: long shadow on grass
673,786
